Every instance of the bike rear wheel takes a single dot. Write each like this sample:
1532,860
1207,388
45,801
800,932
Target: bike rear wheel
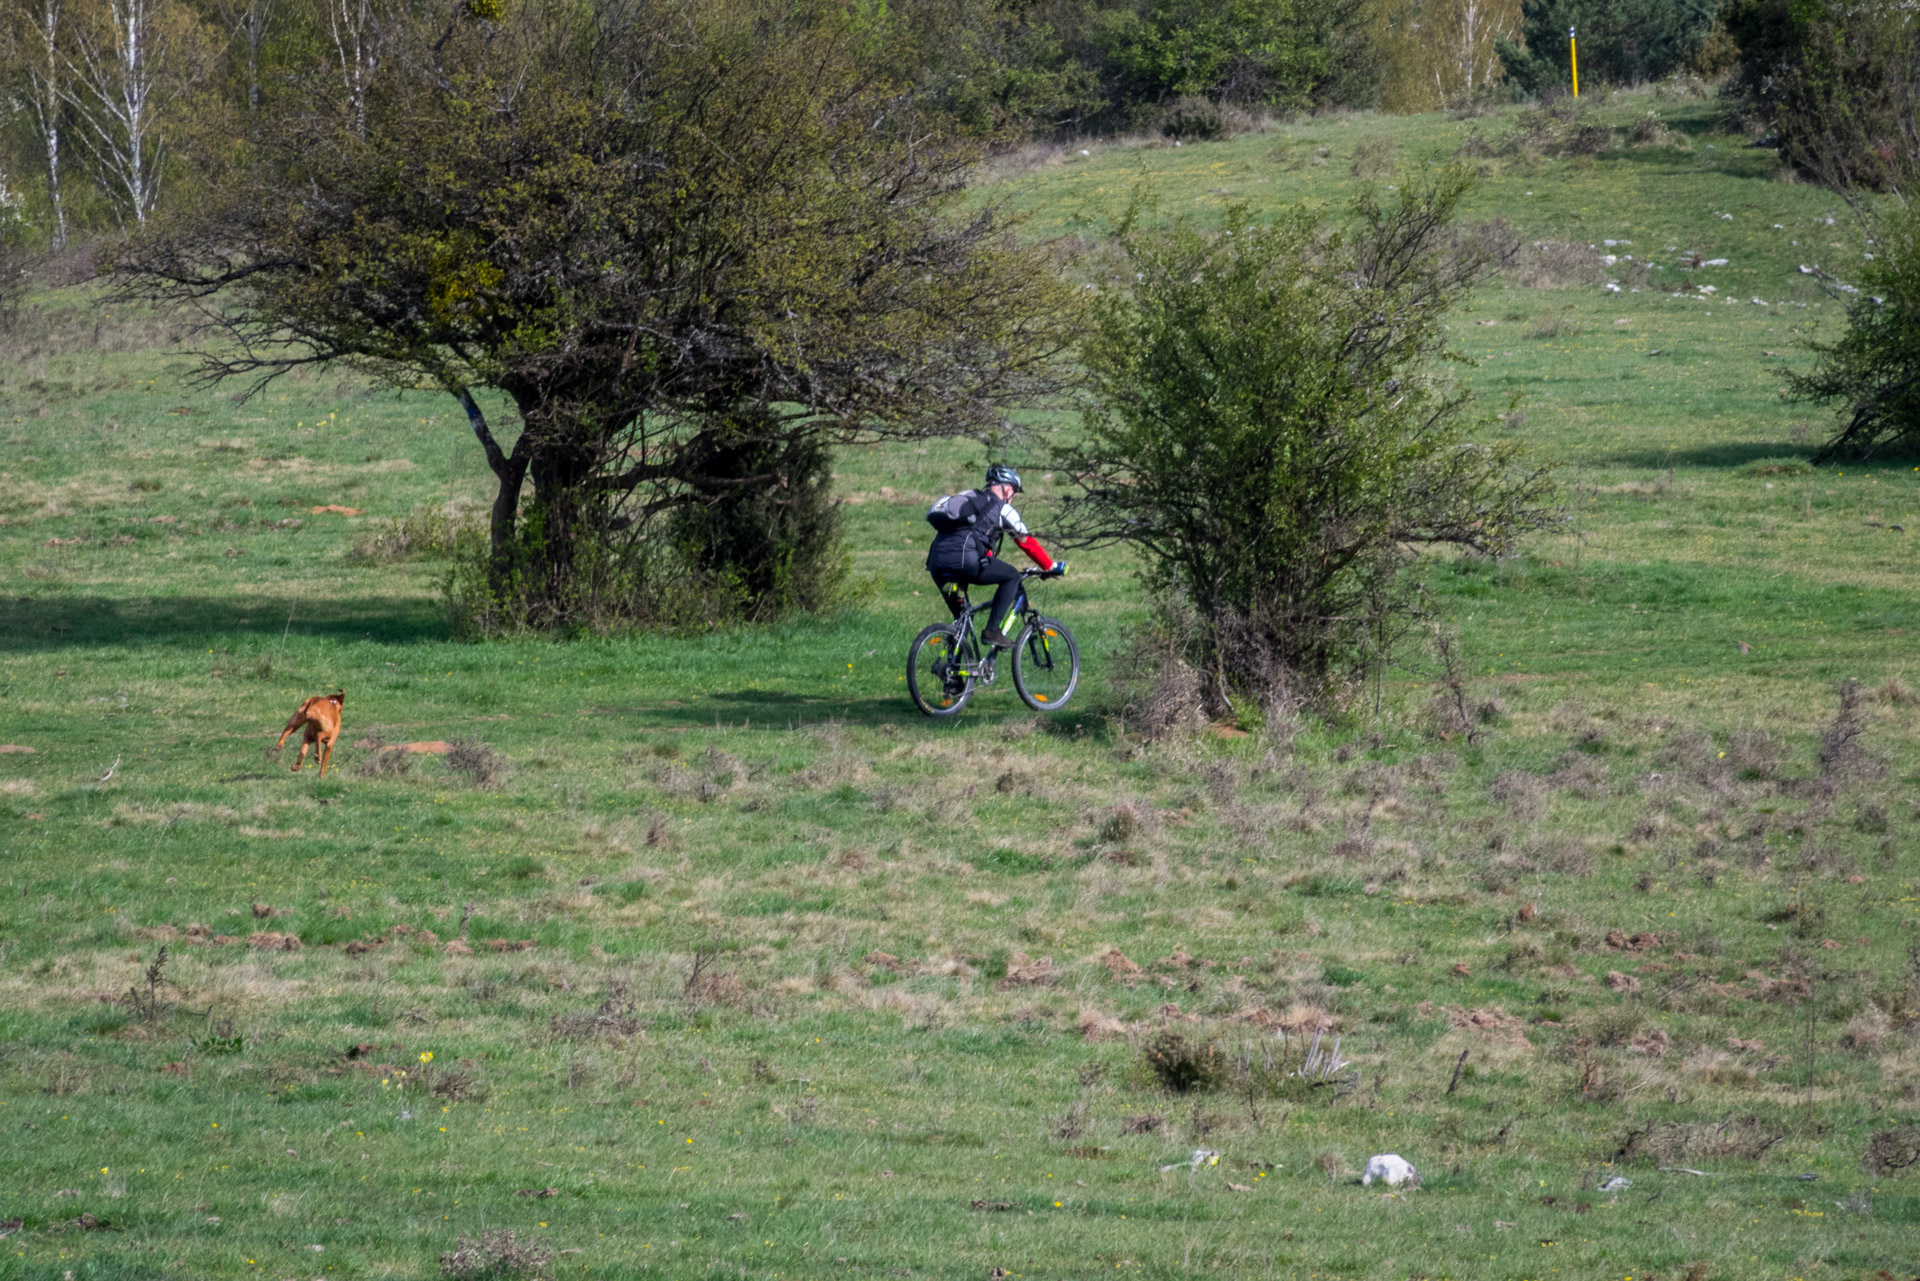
1046,665
939,678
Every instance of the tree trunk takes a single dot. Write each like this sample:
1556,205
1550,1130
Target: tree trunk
511,472
44,76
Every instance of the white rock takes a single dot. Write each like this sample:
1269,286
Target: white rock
1616,1184
1085,152
1391,1169
1609,259
1203,1156
1714,262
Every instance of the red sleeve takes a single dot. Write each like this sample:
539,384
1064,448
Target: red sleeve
1031,546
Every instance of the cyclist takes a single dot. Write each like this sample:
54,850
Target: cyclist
966,549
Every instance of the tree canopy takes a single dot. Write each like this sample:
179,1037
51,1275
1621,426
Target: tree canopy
673,233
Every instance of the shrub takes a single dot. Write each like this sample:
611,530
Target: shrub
1193,119
1183,1065
1836,84
1271,433
763,529
1891,1151
427,532
1373,157
384,759
1650,131
1868,372
482,766
494,1256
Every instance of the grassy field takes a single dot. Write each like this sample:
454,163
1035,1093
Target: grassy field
739,968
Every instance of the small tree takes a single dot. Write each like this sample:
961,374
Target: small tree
1872,371
680,238
1274,434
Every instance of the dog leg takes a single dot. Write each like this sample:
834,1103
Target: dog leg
325,753
306,745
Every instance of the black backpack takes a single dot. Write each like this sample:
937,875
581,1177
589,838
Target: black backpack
950,512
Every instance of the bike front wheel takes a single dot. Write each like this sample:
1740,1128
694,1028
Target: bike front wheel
938,676
1046,665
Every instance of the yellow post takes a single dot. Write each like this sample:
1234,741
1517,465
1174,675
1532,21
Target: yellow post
1573,52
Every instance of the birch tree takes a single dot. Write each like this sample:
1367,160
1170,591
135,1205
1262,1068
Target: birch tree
1467,30
35,35
355,27
1441,51
116,82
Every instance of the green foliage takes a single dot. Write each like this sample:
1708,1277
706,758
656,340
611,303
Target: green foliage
645,279
1621,42
988,67
1193,119
1184,1064
1835,82
1272,431
764,527
1280,53
1872,371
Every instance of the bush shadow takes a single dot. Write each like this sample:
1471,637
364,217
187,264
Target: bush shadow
1729,455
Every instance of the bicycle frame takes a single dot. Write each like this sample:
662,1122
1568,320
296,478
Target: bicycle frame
1022,609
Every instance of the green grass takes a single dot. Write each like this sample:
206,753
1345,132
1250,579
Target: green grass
905,1001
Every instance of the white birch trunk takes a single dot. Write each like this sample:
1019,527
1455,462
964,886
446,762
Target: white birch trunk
118,91
44,78
356,41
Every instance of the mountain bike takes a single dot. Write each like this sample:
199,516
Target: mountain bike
947,661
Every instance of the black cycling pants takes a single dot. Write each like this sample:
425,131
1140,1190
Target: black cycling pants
995,573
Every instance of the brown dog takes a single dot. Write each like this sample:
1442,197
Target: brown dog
321,718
